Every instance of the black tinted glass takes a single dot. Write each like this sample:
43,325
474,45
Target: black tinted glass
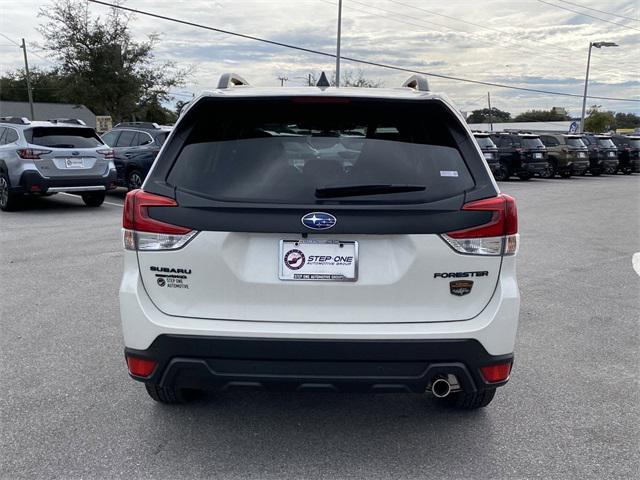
284,151
532,142
485,142
63,137
575,142
605,142
126,138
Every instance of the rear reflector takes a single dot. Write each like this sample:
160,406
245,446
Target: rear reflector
140,367
141,232
499,236
496,373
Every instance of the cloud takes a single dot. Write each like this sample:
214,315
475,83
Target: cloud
523,43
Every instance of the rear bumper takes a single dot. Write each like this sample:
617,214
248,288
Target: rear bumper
578,167
318,365
535,167
32,182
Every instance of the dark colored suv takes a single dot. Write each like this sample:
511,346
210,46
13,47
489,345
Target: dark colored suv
521,154
490,152
136,145
603,154
568,155
628,153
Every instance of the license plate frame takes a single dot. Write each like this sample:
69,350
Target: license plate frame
323,270
74,162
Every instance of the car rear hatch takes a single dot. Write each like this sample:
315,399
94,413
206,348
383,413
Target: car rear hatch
64,152
318,209
534,149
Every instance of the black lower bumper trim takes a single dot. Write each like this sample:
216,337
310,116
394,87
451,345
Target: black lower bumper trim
332,365
31,179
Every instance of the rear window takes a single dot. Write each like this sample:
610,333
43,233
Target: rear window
575,142
485,141
309,151
532,142
634,142
606,143
63,137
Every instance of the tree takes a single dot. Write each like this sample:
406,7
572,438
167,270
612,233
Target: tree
627,120
47,86
350,78
598,122
553,115
482,116
103,67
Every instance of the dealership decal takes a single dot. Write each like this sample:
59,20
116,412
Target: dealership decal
460,287
172,277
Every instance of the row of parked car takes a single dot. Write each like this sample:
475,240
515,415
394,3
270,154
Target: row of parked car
525,154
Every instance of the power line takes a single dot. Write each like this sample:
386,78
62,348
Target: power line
350,59
590,16
30,52
599,11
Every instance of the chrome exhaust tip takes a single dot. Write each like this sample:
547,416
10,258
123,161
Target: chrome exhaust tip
440,388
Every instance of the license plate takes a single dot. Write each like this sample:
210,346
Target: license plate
73,163
318,260
537,155
612,154
581,155
488,156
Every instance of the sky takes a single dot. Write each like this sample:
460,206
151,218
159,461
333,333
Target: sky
528,43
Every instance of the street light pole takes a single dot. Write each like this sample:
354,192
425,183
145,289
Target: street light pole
338,43
586,78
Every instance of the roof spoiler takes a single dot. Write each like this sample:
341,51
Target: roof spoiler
231,79
71,121
16,120
417,82
153,125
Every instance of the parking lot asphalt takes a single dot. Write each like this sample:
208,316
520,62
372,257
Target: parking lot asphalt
571,410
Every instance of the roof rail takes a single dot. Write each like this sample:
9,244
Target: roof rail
153,125
229,79
417,82
16,120
72,121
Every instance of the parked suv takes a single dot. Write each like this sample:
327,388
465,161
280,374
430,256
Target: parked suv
43,158
567,154
521,154
490,152
603,154
628,153
136,145
320,239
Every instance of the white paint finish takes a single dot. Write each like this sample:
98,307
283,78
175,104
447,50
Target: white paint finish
635,261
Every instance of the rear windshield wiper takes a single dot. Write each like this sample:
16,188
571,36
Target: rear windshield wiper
374,189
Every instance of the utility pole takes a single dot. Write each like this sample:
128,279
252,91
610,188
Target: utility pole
338,43
282,80
310,82
490,112
26,71
586,83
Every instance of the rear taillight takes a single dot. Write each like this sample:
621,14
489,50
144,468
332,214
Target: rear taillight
31,153
141,232
499,236
108,154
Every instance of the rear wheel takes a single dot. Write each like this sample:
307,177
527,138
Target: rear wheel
134,180
502,173
93,199
550,172
525,176
8,200
627,171
168,395
470,401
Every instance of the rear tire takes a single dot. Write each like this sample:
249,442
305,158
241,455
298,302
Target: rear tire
525,176
166,395
550,172
627,171
8,201
596,172
470,401
93,199
502,174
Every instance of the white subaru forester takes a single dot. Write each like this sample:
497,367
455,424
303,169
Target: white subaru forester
320,239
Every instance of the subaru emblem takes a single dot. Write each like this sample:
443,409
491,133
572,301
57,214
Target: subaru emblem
318,220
